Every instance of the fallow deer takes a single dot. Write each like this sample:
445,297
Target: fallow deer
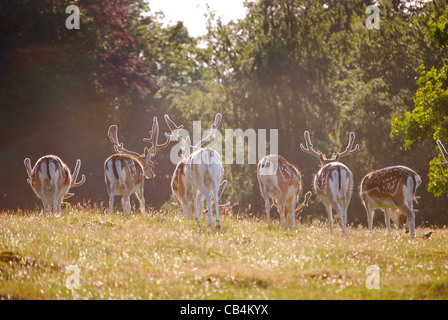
282,182
182,188
388,188
334,181
198,175
125,171
186,195
51,179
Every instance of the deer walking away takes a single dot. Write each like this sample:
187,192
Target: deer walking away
334,181
125,171
198,175
282,182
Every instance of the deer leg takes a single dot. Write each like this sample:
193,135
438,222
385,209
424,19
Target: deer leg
346,202
188,213
181,199
61,201
201,205
46,206
215,191
208,197
410,218
267,205
49,201
281,206
111,200
281,211
56,203
340,213
141,198
198,205
330,215
192,205
406,226
292,210
126,202
370,213
387,213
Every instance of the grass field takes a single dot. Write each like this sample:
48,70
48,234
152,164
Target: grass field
163,256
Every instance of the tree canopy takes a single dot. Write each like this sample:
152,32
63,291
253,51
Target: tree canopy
289,65
428,120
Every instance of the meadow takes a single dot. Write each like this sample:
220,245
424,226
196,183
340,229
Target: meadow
163,256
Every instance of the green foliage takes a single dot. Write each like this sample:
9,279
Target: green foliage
439,29
288,65
430,115
438,177
429,118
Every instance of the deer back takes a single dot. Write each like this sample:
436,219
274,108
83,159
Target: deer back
124,168
390,182
276,173
48,174
333,176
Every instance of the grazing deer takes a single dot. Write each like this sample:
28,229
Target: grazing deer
282,182
51,179
125,171
387,188
334,181
444,153
198,175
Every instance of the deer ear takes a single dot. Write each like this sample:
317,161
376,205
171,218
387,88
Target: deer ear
146,151
188,140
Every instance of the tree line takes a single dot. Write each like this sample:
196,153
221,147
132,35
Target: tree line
289,65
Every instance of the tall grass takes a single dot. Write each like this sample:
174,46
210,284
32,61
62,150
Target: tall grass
164,256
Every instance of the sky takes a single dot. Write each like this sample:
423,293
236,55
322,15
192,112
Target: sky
191,12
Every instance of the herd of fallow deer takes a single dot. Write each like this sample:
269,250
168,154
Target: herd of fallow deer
199,176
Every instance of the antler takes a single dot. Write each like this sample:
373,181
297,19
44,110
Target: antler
172,126
74,176
222,187
444,153
304,203
211,135
174,130
348,151
309,146
154,137
29,170
113,136
174,135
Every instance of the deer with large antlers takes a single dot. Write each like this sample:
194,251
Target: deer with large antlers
198,175
334,181
389,188
51,179
282,182
126,170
